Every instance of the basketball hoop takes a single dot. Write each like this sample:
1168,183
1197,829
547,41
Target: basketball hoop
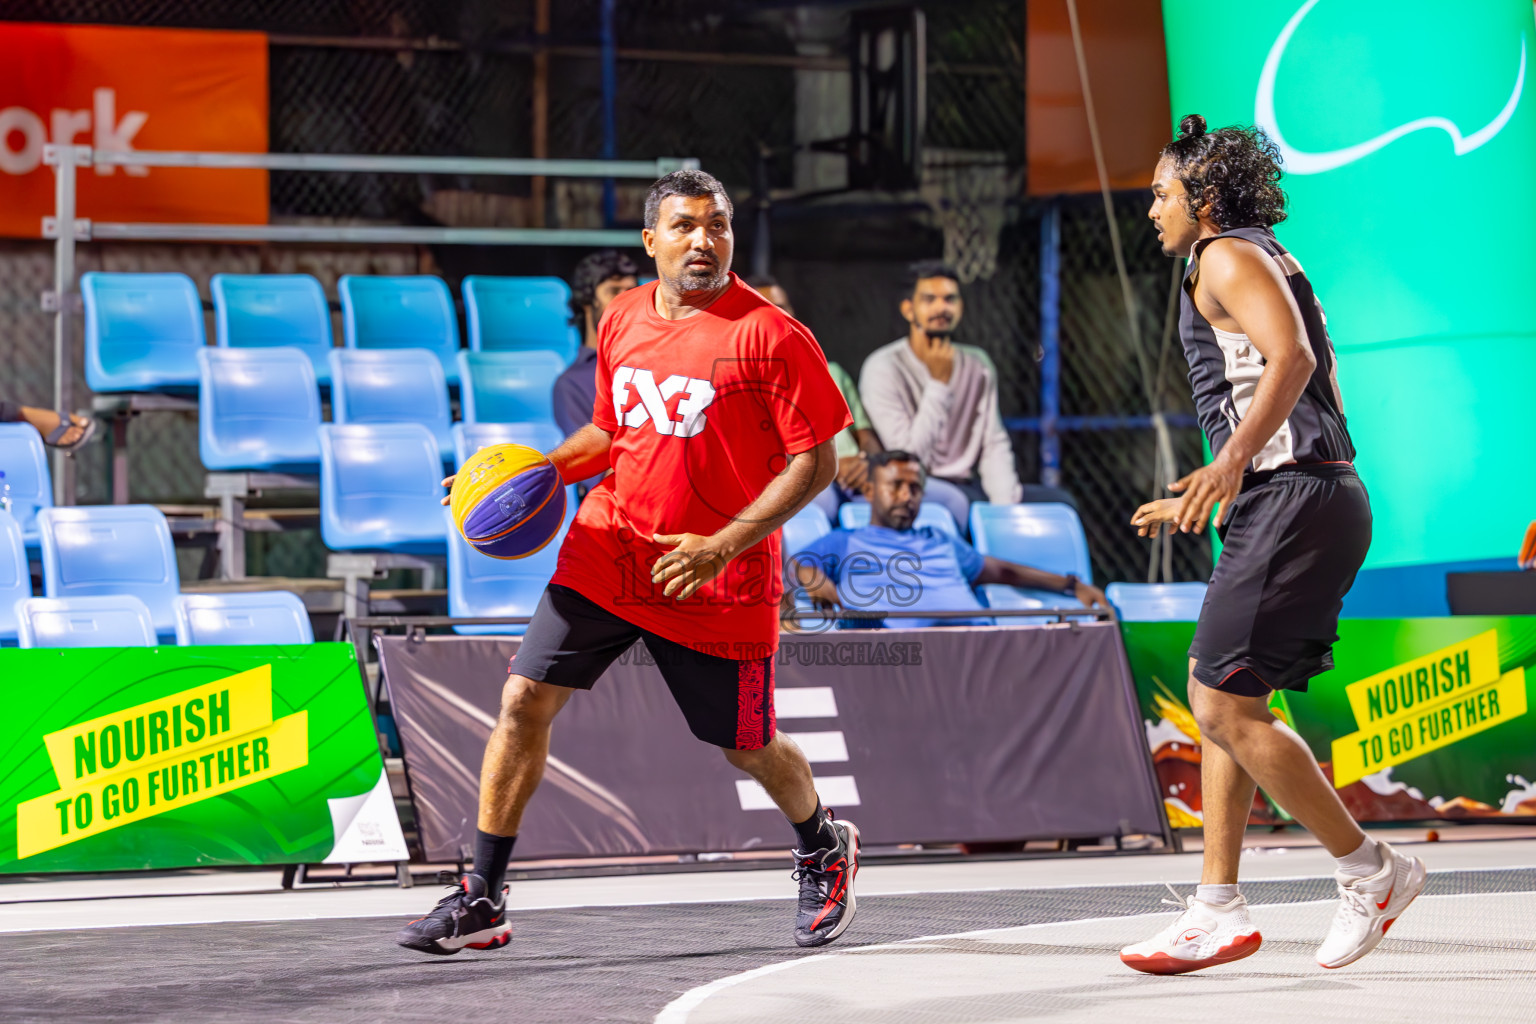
968,195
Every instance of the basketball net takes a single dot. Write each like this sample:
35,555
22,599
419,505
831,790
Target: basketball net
969,203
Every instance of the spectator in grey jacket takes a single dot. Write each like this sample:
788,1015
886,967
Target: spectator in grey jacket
938,400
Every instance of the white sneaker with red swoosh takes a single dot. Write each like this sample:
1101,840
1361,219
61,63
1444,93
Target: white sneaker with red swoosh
1203,936
1368,906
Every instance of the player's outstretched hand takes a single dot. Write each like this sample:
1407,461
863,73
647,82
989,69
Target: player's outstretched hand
448,483
1149,519
693,561
1204,489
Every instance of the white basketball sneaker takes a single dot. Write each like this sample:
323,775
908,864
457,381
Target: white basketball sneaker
1203,936
1368,906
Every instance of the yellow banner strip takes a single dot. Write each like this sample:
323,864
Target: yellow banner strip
1410,688
1404,738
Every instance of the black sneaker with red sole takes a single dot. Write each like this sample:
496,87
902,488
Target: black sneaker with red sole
826,888
466,918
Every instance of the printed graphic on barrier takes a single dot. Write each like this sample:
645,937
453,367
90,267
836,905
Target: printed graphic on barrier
1419,719
172,757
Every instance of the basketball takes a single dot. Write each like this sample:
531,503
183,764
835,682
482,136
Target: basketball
508,501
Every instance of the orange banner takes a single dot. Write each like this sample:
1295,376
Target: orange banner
1128,75
122,89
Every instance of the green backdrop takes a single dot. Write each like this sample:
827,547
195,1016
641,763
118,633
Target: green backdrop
1408,129
179,756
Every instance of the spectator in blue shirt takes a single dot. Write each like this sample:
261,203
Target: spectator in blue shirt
893,565
599,279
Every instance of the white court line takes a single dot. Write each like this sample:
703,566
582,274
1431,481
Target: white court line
677,1011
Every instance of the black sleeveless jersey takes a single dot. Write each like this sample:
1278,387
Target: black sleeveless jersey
1224,370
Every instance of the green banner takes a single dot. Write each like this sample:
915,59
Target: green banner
1383,110
1419,718
171,757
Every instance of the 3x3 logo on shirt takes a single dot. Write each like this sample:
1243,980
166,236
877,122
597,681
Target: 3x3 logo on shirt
653,398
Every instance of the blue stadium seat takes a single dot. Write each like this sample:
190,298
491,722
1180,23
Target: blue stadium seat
854,514
516,314
469,438
258,409
103,550
509,387
25,465
400,312
403,385
804,528
482,586
380,488
271,311
15,577
1044,535
142,331
262,617
1156,602
116,620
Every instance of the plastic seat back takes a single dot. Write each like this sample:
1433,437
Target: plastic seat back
803,529
115,620
518,314
469,438
1044,535
262,617
25,465
97,550
403,385
15,577
1157,602
400,312
509,387
258,408
272,311
482,586
380,484
854,514
142,331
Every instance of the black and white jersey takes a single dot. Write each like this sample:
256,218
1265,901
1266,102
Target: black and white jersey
1224,371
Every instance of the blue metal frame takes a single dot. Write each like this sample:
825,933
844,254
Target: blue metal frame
610,62
1049,422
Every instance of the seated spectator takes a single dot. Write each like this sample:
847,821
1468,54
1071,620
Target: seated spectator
938,400
890,565
598,279
67,433
854,443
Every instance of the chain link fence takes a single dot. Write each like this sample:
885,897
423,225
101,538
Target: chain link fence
751,90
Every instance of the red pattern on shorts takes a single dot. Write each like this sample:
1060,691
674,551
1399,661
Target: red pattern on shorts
755,719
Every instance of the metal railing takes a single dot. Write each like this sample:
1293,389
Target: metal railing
65,229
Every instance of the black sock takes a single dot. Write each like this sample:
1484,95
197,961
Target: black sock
491,856
816,832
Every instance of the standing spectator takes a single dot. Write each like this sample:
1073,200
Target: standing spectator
599,278
938,400
855,444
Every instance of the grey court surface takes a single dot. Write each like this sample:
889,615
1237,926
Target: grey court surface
933,944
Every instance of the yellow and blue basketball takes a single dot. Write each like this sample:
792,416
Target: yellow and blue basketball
508,501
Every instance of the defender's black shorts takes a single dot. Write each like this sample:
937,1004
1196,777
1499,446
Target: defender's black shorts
572,640
1291,546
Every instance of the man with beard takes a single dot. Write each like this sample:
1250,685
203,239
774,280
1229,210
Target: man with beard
717,415
938,400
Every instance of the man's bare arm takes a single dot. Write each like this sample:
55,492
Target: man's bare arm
584,454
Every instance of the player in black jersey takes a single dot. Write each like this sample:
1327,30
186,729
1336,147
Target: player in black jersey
1295,524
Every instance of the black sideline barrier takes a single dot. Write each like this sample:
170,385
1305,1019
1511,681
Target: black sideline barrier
928,736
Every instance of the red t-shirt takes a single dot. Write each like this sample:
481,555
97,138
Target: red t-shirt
704,412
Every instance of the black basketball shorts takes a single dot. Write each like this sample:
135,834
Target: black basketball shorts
572,640
1291,546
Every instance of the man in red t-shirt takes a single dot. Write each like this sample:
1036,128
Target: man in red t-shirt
717,415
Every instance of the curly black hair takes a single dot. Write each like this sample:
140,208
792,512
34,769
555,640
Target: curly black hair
592,271
1235,170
